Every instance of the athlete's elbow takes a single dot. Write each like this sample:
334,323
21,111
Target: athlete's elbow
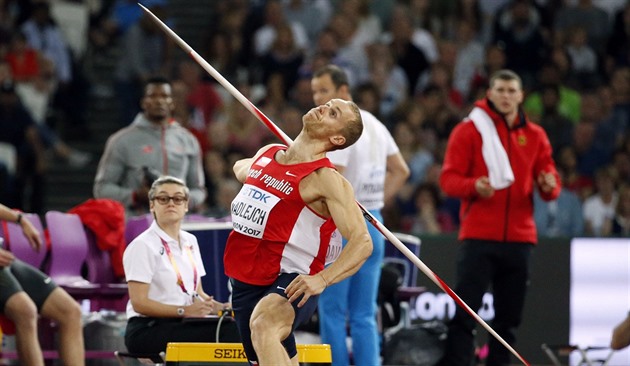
366,246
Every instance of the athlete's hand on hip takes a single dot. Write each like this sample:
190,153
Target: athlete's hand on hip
305,285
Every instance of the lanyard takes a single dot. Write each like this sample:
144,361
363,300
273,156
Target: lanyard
180,281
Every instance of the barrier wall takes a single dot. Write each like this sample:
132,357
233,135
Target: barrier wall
569,302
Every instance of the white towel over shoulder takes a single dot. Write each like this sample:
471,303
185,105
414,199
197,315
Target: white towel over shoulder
499,169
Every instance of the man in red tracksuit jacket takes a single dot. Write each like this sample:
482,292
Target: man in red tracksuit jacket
497,224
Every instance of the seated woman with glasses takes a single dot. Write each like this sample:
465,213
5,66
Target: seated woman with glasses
163,269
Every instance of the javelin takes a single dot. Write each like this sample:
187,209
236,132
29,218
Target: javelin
368,216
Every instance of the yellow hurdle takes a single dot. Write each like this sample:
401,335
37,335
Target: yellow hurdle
181,354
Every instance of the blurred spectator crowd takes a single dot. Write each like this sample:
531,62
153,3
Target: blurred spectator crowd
41,89
416,64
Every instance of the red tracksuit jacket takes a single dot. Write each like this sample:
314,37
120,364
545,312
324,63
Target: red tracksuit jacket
508,214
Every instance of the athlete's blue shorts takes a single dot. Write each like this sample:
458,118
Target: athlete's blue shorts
245,297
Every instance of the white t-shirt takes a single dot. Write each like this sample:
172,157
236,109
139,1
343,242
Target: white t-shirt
365,161
146,260
596,211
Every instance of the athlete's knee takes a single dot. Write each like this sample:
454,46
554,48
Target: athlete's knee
266,325
260,324
62,308
260,330
72,315
21,310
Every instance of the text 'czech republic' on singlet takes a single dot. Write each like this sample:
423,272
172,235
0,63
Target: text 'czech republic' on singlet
274,230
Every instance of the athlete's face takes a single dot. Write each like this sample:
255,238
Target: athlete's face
169,204
157,102
323,89
506,95
327,120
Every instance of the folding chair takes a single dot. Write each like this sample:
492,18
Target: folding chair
69,250
136,225
553,351
112,295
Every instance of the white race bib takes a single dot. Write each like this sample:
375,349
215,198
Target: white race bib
250,210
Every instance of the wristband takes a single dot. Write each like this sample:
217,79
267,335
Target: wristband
19,219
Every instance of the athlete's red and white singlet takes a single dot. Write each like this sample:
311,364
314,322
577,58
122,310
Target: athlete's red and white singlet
274,230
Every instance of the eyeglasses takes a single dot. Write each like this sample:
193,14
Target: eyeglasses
163,200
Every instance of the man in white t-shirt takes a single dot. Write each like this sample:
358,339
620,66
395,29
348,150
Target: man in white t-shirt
376,170
601,206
